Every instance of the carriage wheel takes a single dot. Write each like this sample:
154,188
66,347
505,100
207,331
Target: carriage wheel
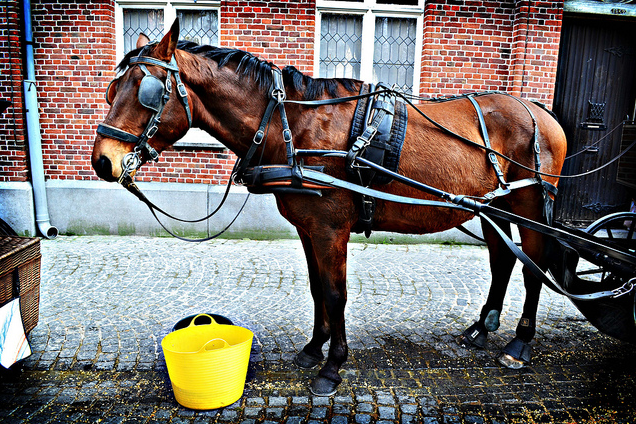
617,229
614,316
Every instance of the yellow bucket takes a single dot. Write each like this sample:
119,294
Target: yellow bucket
207,364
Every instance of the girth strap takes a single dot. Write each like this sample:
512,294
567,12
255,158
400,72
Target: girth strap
378,131
372,145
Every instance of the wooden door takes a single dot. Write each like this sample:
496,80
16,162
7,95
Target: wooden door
595,92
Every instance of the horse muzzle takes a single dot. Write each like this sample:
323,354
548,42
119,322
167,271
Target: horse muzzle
130,163
104,169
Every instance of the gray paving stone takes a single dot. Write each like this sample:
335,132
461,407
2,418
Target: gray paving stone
387,413
101,358
365,407
363,419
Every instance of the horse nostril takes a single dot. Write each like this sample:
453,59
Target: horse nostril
104,168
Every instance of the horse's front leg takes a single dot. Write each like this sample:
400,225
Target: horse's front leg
329,251
312,355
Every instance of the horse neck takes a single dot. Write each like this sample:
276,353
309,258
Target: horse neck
225,105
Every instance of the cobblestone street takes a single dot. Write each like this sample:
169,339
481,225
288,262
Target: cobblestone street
107,302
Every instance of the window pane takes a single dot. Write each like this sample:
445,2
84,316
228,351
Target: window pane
340,46
200,26
137,21
394,52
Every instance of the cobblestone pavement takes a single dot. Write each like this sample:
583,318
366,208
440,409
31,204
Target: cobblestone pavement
106,303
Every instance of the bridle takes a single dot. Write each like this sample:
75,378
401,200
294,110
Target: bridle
154,95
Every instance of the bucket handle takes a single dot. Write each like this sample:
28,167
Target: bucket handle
214,344
213,322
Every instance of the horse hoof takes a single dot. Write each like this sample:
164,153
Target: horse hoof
321,386
305,361
509,362
516,354
473,337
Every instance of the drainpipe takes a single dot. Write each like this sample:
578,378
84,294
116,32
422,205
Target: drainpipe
42,219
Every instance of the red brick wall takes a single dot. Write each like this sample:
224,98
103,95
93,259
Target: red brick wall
13,163
468,46
479,46
535,49
280,31
74,58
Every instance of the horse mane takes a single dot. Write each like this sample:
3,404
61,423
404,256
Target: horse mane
250,66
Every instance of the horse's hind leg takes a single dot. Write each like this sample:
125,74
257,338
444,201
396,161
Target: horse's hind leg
328,272
502,261
312,355
518,352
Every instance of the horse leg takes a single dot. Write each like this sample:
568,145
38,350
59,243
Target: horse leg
502,262
517,353
311,355
329,248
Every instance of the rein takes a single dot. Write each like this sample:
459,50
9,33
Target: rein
153,94
408,99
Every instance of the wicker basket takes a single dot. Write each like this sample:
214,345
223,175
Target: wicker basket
20,257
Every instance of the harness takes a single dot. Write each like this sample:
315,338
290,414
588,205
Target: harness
507,187
294,178
377,134
154,95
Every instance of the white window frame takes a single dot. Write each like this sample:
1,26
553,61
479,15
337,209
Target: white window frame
369,10
195,138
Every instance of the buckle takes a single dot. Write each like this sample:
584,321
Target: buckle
258,137
169,84
154,156
279,95
182,90
287,135
152,131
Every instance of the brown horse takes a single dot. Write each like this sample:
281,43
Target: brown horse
227,94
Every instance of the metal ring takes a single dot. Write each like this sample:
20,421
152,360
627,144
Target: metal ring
130,162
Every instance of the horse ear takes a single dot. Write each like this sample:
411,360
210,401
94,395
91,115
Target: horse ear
142,40
168,44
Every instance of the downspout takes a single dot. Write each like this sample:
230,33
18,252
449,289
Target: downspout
42,219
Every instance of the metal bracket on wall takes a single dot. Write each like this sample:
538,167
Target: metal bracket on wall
595,114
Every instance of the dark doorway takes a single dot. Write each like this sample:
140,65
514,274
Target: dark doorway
595,93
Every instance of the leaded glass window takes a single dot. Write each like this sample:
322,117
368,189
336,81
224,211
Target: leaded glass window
340,46
374,41
394,52
137,21
200,26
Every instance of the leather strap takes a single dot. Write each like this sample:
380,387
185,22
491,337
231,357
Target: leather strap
484,133
487,213
112,132
147,60
547,279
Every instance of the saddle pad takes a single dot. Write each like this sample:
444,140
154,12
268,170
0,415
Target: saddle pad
392,147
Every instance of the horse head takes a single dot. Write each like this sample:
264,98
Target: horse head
149,109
